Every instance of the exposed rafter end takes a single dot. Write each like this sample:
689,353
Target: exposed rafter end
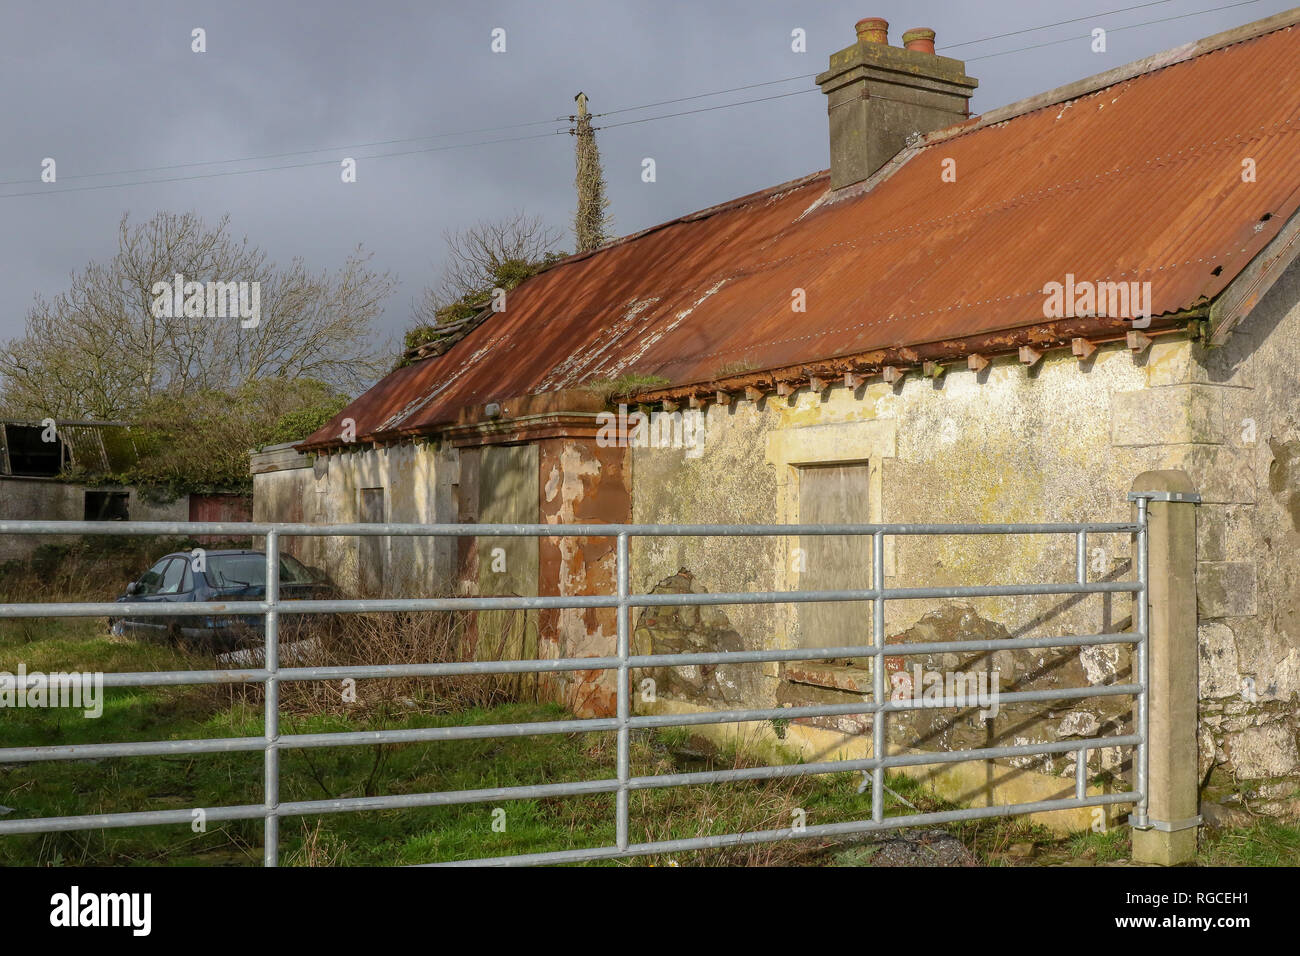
976,362
785,389
852,380
1030,356
754,394
1137,341
1082,348
933,369
818,384
696,402
670,405
722,398
892,375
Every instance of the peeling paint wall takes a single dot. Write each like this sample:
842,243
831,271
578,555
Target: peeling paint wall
552,481
581,483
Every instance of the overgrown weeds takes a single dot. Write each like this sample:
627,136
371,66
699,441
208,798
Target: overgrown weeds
399,639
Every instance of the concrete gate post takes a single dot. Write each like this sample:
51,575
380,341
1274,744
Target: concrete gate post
1172,802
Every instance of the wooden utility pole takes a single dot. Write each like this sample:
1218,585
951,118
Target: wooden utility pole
591,222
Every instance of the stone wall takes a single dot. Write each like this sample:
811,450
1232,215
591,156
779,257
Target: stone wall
419,486
46,499
1058,442
1248,573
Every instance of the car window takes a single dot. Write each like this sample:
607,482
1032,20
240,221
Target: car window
151,579
236,570
249,570
293,571
172,576
187,585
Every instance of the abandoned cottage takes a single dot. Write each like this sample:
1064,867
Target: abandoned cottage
69,470
1003,317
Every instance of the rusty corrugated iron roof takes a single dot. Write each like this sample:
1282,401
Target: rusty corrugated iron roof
1139,180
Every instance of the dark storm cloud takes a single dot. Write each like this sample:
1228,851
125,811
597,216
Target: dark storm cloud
115,86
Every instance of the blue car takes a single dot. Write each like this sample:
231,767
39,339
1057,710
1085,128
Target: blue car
218,576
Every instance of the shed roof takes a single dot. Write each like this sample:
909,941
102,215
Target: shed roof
1135,175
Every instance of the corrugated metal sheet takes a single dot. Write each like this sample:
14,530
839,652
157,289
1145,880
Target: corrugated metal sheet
99,448
1138,181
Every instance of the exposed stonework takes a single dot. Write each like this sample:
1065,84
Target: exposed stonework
691,629
1263,751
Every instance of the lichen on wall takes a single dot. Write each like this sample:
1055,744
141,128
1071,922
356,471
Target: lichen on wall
1061,441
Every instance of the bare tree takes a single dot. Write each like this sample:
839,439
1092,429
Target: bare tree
477,258
101,349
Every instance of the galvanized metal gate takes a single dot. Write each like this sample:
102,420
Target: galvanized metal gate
272,675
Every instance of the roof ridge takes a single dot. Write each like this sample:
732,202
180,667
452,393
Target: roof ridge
1119,74
704,213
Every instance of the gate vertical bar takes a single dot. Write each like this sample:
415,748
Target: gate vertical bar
624,705
1143,678
271,717
1081,557
878,675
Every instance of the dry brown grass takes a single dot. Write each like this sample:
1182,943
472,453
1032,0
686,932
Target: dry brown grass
397,638
316,849
93,568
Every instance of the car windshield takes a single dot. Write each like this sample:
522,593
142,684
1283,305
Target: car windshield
249,570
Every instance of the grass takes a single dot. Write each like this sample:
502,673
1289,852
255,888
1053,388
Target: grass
1266,843
394,837
365,838
624,386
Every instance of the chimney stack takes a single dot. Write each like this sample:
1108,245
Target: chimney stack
877,96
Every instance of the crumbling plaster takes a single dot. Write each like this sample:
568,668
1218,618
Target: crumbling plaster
1060,441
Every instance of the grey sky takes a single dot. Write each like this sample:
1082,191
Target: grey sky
114,86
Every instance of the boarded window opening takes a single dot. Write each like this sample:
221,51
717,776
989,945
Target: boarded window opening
834,494
107,506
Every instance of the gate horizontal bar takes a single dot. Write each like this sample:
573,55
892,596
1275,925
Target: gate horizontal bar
257,608
240,528
539,728
545,791
459,668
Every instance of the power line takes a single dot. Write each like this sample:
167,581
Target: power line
1131,26
778,96
300,152
265,169
700,96
648,119
1059,23
705,109
947,46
